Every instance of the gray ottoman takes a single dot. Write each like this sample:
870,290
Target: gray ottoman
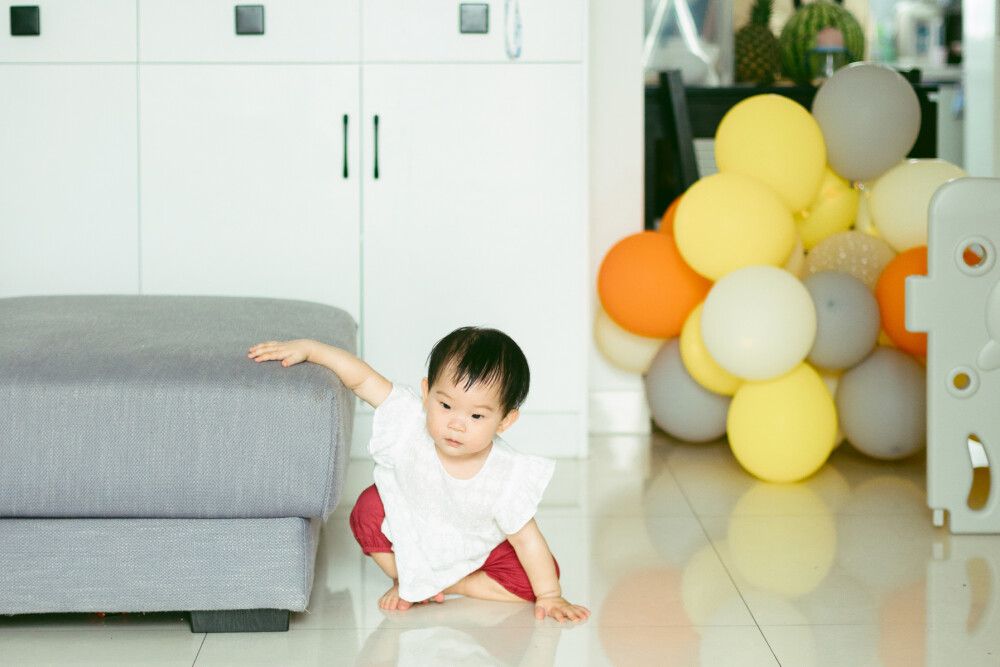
146,464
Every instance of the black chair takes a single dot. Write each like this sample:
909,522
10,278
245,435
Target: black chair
676,115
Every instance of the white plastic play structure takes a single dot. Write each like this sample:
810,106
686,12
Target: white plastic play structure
958,305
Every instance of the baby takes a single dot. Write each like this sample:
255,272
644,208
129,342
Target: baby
452,508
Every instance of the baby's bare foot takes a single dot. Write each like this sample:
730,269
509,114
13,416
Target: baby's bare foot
391,600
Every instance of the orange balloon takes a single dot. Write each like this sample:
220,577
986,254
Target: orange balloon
667,221
890,291
646,287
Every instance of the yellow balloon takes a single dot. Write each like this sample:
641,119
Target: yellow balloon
624,349
834,210
783,429
699,362
789,556
776,141
728,221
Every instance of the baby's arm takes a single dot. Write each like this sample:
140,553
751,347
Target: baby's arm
358,376
535,557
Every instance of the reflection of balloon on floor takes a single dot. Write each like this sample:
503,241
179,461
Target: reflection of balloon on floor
882,404
783,429
699,363
630,352
847,320
712,480
679,405
758,322
641,600
885,552
901,198
870,118
786,555
903,611
891,294
728,221
834,210
859,254
646,287
777,142
705,585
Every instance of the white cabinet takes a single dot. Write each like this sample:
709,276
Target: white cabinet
295,31
249,181
149,148
397,31
68,169
476,217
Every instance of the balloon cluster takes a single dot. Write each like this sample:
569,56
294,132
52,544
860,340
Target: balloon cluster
769,305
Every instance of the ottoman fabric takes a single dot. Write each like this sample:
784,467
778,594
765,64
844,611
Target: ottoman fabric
70,565
148,407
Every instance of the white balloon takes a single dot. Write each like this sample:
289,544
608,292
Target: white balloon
758,322
901,197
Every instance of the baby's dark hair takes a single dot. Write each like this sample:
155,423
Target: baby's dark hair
477,355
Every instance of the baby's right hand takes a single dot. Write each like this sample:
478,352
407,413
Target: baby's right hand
289,353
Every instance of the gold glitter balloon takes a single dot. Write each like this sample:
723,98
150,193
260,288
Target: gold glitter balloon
859,254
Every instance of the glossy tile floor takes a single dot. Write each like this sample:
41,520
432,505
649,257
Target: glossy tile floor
683,558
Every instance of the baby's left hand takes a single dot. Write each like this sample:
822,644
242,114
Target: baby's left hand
560,609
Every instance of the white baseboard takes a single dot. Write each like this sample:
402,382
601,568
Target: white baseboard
619,412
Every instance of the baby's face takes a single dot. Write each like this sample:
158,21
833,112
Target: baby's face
462,422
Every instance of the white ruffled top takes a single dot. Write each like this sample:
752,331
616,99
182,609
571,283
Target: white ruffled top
443,528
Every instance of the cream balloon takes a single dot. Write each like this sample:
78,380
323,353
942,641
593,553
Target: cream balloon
624,349
901,198
758,322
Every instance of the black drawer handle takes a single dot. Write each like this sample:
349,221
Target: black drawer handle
376,147
249,19
25,21
345,145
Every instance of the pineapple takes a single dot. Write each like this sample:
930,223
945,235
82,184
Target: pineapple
758,55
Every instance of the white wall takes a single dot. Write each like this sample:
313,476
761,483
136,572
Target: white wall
616,186
981,79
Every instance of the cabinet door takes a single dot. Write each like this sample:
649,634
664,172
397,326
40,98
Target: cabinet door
477,217
249,181
68,179
429,31
294,31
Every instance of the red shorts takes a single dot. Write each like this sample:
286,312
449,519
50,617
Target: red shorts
502,565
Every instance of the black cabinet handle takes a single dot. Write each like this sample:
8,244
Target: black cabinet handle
376,147
345,145
25,21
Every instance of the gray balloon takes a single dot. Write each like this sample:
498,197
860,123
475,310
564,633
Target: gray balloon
678,404
870,118
882,405
847,320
